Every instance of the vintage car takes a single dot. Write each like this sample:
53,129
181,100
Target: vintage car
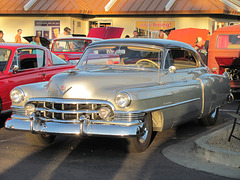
224,54
153,85
23,64
71,48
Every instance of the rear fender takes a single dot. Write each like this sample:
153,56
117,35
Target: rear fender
215,92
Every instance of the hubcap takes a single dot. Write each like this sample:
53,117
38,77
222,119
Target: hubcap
143,132
214,113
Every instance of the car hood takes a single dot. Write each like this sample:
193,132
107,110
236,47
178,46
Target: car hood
98,83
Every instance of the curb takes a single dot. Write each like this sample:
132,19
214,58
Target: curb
216,155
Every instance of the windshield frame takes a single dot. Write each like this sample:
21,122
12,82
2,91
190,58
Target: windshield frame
161,49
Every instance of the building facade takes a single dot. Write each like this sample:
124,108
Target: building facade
48,18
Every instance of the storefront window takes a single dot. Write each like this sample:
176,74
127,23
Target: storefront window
95,24
48,29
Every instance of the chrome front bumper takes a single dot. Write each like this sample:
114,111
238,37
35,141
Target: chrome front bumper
84,127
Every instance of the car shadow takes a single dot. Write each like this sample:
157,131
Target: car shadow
3,118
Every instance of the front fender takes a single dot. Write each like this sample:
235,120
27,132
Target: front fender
32,90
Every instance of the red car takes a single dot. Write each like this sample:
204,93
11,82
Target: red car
25,63
71,48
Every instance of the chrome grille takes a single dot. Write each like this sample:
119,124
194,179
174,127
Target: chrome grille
68,110
18,111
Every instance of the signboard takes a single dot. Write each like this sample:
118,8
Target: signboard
47,28
151,28
155,25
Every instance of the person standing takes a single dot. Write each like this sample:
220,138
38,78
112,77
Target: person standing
200,48
3,53
1,36
66,33
135,34
18,36
36,41
162,35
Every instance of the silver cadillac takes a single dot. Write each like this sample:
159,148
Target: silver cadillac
124,88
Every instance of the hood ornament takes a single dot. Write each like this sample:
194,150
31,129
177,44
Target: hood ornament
63,90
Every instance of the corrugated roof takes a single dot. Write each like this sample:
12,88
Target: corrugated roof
120,7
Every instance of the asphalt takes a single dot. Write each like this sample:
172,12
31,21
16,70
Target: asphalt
209,152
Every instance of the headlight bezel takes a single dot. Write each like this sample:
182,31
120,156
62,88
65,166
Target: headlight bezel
123,99
21,95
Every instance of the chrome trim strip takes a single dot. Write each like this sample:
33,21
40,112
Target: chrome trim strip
161,107
123,123
112,122
17,107
74,121
25,118
203,95
66,111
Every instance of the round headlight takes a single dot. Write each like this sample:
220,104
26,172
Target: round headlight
104,112
17,95
29,109
123,99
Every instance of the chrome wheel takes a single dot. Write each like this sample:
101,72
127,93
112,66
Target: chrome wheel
143,139
143,133
210,119
213,115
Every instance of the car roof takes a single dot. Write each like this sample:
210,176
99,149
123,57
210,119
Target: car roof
146,41
19,45
80,38
233,28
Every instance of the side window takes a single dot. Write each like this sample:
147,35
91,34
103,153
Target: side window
30,58
228,41
4,58
169,60
183,59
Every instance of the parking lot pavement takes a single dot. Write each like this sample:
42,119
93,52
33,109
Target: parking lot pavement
209,152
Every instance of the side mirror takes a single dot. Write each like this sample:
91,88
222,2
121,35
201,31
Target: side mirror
172,69
15,69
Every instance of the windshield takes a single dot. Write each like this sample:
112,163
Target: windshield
74,45
123,55
4,58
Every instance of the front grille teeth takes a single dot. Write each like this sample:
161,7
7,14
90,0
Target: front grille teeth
52,111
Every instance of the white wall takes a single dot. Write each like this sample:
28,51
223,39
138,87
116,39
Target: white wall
9,25
129,24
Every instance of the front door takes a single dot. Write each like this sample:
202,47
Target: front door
187,93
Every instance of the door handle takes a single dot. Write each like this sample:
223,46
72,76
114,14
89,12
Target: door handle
44,76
